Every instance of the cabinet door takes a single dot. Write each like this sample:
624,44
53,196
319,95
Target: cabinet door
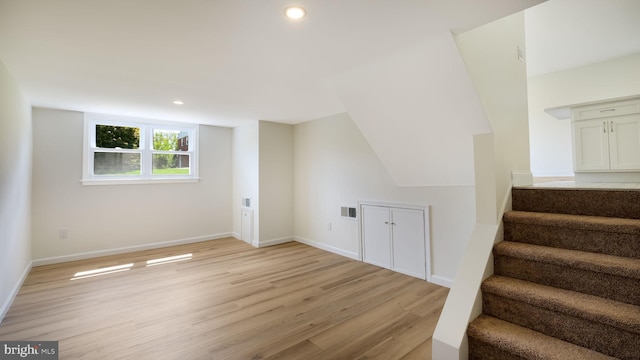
376,236
591,145
408,249
624,142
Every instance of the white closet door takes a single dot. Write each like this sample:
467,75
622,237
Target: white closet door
409,255
376,246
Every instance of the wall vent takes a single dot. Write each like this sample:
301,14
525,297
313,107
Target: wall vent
348,212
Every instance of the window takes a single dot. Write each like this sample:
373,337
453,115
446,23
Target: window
126,151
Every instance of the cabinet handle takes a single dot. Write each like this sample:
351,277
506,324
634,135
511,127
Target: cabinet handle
604,126
607,110
393,223
611,126
386,223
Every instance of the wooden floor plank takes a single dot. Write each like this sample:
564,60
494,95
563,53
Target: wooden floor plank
228,301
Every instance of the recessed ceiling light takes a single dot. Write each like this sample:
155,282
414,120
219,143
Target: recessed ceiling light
178,102
295,12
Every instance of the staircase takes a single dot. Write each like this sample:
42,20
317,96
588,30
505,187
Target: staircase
566,283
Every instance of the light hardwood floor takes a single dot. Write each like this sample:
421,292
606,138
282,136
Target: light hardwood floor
228,301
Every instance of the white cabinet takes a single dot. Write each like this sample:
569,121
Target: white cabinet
606,136
394,238
591,145
624,143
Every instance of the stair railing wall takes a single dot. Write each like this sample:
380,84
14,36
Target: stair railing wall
464,302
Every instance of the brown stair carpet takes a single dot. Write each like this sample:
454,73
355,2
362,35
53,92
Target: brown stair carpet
497,339
566,281
610,203
613,236
612,277
578,318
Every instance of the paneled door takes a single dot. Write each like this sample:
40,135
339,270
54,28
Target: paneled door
377,232
394,238
407,227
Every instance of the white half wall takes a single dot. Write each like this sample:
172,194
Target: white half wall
335,166
15,189
103,218
490,53
276,183
551,149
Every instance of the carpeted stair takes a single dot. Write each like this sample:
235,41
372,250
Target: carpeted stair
566,281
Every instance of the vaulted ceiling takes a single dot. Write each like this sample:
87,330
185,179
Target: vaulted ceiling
228,60
233,61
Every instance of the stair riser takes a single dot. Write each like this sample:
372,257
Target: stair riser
609,203
588,282
480,350
583,240
596,336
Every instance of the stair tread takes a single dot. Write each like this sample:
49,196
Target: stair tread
610,264
527,343
614,313
582,222
616,203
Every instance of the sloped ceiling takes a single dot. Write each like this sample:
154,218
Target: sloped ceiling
419,111
229,60
563,34
392,65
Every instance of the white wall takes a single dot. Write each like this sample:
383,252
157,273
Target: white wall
490,53
15,189
334,165
418,110
276,183
103,218
245,175
551,149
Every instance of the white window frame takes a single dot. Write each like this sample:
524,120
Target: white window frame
145,150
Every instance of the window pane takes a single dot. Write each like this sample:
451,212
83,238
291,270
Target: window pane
116,164
170,164
183,141
170,140
117,137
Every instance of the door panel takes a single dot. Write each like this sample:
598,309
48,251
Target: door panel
376,238
591,148
624,142
246,226
409,253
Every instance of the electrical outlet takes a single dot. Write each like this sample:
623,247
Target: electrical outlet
63,234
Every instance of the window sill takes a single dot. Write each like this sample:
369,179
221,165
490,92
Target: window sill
138,181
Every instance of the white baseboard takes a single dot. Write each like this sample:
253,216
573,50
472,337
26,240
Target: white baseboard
272,242
98,253
14,292
328,248
441,280
235,235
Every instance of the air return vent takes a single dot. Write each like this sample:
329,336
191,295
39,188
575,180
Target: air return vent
348,212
